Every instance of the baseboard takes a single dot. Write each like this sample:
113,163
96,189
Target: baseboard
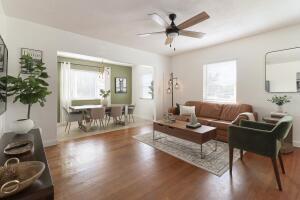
50,143
296,143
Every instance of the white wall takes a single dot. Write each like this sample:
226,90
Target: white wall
283,76
50,40
144,107
3,35
250,55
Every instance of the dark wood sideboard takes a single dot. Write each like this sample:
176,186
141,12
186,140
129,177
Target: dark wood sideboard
43,188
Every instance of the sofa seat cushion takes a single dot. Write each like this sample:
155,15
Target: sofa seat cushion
205,120
211,110
184,118
231,111
220,124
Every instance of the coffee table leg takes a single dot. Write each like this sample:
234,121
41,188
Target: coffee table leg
216,145
153,136
202,155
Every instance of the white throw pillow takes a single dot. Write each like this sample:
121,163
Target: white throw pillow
187,110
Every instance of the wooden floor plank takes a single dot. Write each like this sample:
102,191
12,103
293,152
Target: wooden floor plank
116,166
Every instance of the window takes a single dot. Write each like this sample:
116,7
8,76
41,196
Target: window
147,82
86,84
220,82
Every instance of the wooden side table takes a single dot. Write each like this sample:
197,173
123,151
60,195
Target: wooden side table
287,143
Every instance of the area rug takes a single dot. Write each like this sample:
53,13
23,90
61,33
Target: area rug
215,162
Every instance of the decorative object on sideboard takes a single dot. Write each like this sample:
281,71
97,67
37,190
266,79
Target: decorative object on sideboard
120,85
104,94
28,89
171,86
18,176
280,101
18,147
36,55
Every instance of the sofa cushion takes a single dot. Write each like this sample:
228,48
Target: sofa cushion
197,105
205,120
231,111
211,110
220,124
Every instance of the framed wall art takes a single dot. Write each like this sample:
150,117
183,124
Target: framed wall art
121,85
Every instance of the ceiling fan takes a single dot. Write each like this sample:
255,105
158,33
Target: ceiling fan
172,30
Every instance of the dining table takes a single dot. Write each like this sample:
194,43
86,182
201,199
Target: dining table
86,123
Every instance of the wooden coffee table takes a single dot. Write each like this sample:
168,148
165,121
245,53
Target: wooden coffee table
178,129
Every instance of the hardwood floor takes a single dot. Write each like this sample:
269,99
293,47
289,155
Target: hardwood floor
116,166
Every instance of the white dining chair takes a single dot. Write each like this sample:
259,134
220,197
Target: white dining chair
71,117
98,115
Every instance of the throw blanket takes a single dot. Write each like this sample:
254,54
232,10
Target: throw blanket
249,115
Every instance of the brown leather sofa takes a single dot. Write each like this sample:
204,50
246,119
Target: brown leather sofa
216,115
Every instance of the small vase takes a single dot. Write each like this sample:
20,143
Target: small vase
104,102
280,108
22,126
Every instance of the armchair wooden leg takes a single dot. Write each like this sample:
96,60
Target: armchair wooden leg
241,154
230,160
281,163
274,162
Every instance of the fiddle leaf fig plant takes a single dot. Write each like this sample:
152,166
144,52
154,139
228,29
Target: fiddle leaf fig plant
30,88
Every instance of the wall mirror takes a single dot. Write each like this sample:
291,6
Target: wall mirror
283,71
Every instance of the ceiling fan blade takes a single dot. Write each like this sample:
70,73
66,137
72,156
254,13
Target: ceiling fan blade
159,20
194,20
191,34
148,34
168,40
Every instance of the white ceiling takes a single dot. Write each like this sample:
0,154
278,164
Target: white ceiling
119,21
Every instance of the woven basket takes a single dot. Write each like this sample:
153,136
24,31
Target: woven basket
18,176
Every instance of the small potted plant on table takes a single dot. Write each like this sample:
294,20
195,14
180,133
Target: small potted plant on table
280,101
104,94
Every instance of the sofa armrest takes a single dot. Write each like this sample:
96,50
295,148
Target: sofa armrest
257,125
172,110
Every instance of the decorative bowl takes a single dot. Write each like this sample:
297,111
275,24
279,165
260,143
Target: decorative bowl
18,176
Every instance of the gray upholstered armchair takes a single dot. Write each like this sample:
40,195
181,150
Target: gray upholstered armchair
260,138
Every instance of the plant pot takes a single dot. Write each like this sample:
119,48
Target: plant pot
22,126
104,102
280,108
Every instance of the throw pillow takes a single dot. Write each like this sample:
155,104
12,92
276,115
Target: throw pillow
187,110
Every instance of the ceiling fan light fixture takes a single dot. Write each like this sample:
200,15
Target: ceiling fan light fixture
173,35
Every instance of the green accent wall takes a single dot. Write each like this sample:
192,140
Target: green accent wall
116,71
121,72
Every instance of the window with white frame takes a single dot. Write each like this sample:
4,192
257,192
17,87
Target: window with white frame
147,82
86,84
220,82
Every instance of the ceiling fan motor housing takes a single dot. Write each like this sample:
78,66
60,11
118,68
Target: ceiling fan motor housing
172,30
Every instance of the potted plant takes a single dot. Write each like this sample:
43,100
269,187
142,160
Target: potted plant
29,89
280,101
104,94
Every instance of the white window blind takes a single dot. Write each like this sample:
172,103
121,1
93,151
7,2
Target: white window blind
86,84
146,83
220,82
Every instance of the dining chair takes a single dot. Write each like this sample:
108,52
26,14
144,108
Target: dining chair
71,117
98,115
115,113
130,112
